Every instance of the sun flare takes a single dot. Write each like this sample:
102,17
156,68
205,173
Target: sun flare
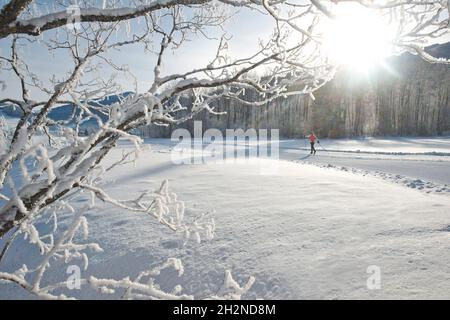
357,37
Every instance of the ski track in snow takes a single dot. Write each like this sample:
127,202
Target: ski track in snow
357,150
419,184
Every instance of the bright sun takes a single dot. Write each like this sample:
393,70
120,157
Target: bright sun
357,38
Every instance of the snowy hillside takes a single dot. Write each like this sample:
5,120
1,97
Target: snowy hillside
99,107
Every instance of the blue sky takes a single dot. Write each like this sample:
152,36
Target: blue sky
246,27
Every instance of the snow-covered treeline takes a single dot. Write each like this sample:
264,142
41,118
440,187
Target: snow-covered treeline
406,96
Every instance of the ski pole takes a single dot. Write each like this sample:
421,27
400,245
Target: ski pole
322,147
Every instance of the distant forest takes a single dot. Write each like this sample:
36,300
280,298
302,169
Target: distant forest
404,97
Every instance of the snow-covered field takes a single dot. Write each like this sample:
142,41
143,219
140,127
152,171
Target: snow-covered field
406,145
308,231
422,163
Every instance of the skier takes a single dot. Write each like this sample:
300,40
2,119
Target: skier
312,139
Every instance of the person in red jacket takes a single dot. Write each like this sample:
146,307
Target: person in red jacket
312,139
